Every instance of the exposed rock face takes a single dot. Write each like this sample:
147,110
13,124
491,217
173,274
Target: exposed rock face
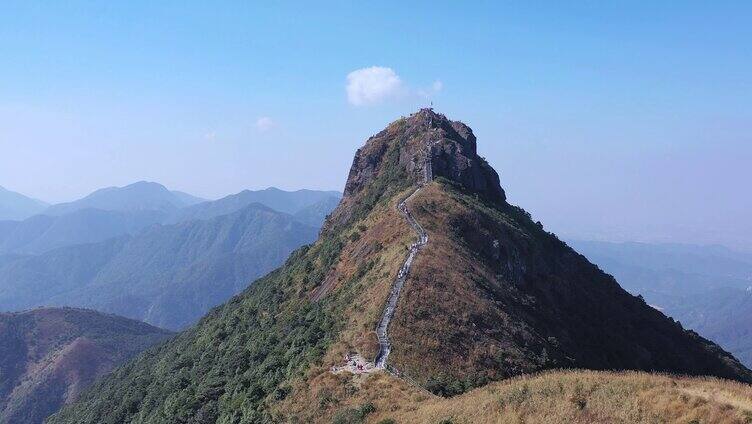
402,150
450,146
455,158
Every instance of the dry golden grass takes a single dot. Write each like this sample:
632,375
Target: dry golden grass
382,239
592,397
550,397
443,316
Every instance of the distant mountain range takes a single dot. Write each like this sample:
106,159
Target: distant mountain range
48,356
308,206
113,212
16,206
42,233
707,288
138,196
167,275
140,251
149,253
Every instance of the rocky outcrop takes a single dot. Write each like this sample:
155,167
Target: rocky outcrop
450,145
397,156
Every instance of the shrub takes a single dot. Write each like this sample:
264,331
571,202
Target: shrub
353,415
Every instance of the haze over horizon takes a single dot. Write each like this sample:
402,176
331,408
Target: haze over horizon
611,122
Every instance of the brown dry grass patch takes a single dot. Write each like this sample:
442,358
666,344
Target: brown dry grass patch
550,397
593,397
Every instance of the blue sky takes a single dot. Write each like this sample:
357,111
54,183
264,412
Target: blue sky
629,120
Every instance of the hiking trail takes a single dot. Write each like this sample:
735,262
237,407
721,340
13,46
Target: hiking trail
382,334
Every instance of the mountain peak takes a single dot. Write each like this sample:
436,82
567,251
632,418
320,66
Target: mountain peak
411,151
146,184
138,196
16,206
427,141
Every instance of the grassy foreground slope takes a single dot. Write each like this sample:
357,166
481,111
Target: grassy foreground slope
594,397
572,397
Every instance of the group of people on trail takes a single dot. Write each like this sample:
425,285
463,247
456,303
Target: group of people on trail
353,362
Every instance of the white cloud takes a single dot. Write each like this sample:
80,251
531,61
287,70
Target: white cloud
264,123
377,84
372,85
210,136
435,88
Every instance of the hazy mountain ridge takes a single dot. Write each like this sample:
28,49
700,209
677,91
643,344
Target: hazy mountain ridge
691,259
138,196
42,233
290,202
48,356
168,275
104,214
316,214
707,288
16,206
121,212
722,315
187,199
492,295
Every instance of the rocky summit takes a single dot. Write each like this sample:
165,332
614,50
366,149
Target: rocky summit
449,146
425,283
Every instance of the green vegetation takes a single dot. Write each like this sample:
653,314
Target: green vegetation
447,385
243,355
353,415
224,370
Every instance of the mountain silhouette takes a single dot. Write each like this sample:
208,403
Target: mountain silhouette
15,206
138,196
166,275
